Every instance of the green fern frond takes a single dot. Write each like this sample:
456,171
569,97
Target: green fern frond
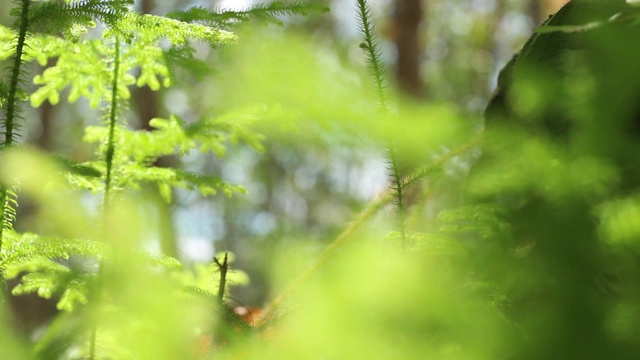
39,259
206,184
75,292
7,42
164,261
11,204
176,136
176,32
134,175
8,205
81,65
72,18
20,250
131,175
182,57
267,12
138,150
41,279
79,169
54,279
214,133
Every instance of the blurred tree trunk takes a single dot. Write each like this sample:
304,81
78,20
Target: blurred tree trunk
537,11
407,19
45,138
147,104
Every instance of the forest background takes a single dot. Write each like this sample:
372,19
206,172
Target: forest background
452,54
461,289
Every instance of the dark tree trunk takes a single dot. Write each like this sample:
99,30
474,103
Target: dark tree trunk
407,18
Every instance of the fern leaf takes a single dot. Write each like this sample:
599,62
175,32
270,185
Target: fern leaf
484,220
8,205
81,65
267,12
175,31
164,261
183,57
76,292
40,259
7,42
72,18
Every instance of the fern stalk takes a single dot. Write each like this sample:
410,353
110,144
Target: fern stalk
112,124
376,65
11,113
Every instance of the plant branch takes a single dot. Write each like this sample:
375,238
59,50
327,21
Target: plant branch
377,68
371,50
223,267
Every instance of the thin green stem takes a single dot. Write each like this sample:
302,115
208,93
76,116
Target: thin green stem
112,124
377,67
113,113
371,50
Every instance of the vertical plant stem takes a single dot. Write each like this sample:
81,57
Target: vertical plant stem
371,50
12,107
113,112
10,117
112,124
377,68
